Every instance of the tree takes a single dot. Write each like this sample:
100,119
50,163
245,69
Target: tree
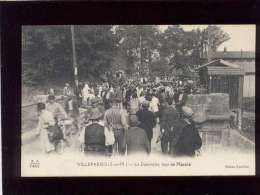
132,39
96,47
47,52
179,47
216,36
185,48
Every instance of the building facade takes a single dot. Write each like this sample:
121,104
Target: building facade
246,61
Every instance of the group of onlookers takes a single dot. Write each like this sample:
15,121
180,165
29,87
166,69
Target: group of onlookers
121,119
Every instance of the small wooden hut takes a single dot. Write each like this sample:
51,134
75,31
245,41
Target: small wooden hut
220,76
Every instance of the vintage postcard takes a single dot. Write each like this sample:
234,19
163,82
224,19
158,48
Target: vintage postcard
138,100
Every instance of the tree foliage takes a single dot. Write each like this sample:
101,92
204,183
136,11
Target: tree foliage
47,50
216,36
132,39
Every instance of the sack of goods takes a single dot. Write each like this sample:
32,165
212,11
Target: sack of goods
109,136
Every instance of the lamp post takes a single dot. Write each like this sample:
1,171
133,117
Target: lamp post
75,66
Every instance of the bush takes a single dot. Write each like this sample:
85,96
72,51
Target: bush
248,128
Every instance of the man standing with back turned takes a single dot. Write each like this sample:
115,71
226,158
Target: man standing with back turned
116,120
168,120
147,120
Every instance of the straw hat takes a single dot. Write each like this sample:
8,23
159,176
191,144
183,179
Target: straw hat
95,102
95,114
114,98
187,111
145,103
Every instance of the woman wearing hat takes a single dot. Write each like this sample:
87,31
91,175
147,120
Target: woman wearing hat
186,139
46,120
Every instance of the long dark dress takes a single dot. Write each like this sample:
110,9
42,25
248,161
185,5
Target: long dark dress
148,122
186,139
95,139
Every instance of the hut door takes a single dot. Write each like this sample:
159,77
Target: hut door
226,84
219,84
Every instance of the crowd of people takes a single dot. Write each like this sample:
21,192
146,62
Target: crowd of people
120,117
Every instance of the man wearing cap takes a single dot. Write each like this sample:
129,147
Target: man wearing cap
116,120
186,139
147,119
56,109
67,91
137,140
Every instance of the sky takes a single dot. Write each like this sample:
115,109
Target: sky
241,36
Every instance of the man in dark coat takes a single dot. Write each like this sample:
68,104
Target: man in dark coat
168,118
181,101
186,139
147,120
94,134
176,95
136,139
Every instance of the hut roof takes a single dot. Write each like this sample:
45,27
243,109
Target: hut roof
221,67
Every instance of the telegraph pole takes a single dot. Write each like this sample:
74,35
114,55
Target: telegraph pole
75,66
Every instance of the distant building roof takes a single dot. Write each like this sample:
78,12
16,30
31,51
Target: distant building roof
221,67
231,55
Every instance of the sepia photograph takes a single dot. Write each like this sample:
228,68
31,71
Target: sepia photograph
137,100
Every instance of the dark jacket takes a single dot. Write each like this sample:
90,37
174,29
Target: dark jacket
168,118
186,139
147,121
95,137
162,97
137,141
176,97
183,100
